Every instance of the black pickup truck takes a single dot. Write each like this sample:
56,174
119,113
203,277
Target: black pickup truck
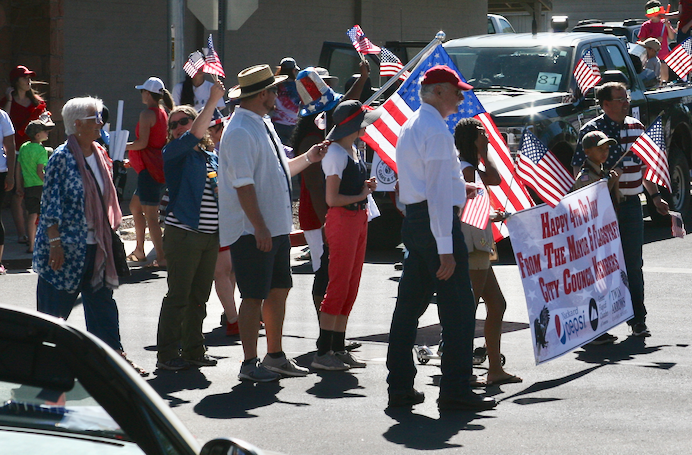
525,82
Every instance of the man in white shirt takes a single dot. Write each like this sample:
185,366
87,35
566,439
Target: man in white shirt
7,170
433,188
255,219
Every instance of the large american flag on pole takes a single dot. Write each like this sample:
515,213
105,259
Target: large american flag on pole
477,210
509,196
390,65
651,148
213,64
586,73
195,61
361,42
538,168
680,58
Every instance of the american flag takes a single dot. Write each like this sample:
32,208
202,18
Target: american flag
361,42
213,64
680,59
390,65
510,195
477,210
651,148
586,72
539,169
195,61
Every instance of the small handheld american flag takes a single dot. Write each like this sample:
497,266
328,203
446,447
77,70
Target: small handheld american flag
477,210
538,168
586,72
195,61
651,148
680,58
213,64
361,42
390,65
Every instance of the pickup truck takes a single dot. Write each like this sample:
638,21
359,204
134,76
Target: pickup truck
526,83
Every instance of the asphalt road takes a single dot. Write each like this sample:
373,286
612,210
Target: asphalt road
632,397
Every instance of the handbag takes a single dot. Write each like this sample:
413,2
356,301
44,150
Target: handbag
119,255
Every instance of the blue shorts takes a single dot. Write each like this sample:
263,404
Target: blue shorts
257,272
148,189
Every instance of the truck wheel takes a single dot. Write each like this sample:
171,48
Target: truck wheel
678,197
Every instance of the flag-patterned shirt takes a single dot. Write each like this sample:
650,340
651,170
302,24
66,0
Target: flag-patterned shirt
625,134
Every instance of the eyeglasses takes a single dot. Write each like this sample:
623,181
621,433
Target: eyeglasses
622,100
97,117
183,121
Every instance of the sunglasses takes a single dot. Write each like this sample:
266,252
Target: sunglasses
98,118
183,121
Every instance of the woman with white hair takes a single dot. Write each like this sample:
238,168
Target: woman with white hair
79,207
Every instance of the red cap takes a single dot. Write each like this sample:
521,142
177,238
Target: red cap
20,71
439,74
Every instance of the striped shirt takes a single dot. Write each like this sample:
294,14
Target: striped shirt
625,134
209,211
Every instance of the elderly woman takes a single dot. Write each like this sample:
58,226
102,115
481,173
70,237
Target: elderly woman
191,240
79,207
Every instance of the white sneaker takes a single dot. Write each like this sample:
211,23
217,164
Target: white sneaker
284,366
329,362
350,360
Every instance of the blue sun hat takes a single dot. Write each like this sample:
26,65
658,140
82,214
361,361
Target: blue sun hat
315,95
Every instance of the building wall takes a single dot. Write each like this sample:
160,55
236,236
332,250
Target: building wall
111,46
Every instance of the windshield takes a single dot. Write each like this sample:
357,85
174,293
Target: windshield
541,68
44,409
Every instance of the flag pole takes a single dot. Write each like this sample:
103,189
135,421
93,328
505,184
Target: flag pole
439,37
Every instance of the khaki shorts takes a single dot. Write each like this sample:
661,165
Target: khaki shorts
479,260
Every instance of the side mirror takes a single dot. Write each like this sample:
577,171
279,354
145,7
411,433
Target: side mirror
615,76
229,446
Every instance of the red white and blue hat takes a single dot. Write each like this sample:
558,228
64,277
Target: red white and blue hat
315,95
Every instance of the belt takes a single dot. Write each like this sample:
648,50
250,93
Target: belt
424,205
362,205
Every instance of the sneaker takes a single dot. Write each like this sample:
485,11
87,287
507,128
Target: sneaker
255,372
352,345
404,400
173,364
203,361
640,330
3,270
466,402
350,360
284,366
606,338
232,329
328,362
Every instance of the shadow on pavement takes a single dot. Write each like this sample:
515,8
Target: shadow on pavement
420,432
242,398
547,385
619,352
336,384
167,382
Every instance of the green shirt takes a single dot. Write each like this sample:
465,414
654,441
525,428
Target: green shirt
31,154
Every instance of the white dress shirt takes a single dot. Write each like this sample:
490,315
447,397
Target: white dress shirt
429,170
247,157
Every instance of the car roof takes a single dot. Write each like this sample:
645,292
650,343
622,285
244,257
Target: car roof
522,40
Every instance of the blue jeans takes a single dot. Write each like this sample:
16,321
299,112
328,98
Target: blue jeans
456,307
100,310
632,236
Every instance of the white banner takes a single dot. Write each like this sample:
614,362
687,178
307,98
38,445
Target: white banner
572,269
386,178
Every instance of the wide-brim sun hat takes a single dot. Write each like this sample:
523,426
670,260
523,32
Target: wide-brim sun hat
153,85
254,80
349,117
315,95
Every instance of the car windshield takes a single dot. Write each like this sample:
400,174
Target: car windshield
38,408
539,68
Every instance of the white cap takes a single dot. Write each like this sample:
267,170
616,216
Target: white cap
153,84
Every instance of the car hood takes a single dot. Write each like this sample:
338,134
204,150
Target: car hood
510,104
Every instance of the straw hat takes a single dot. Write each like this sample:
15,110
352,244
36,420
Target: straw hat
350,116
652,43
254,80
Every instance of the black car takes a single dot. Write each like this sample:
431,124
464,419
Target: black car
628,28
63,391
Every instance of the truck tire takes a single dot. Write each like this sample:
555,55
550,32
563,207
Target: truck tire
679,197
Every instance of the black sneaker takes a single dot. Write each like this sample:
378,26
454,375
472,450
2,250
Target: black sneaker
352,345
606,338
466,402
407,399
202,361
173,364
640,330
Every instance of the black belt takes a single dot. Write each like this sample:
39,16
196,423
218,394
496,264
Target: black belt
362,205
424,205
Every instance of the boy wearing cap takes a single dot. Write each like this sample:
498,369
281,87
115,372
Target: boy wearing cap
33,157
596,148
434,191
652,62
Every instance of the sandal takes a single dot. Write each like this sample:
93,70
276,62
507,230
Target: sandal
23,240
155,265
140,371
132,257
